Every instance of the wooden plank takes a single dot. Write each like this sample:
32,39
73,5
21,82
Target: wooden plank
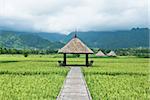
74,87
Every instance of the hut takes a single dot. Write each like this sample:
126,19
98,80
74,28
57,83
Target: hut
75,46
112,54
100,54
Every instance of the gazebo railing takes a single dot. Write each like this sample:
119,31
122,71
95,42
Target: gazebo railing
62,63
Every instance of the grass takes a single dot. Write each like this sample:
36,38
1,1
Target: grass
123,78
34,77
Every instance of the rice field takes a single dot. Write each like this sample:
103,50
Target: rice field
125,78
34,77
39,77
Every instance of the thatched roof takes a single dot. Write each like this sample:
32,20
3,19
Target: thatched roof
75,46
111,53
100,53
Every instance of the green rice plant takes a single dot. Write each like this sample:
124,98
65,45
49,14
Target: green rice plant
123,78
32,78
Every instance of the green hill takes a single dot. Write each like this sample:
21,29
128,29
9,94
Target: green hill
137,37
29,41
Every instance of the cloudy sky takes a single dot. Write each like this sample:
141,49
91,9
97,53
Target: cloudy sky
66,15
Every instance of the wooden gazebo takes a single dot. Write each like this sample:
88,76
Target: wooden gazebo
75,46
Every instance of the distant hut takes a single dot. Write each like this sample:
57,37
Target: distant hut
100,54
112,54
75,46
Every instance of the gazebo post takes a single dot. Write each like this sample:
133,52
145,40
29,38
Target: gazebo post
86,62
64,59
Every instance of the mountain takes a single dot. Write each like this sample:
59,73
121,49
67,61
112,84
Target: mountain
51,36
23,40
45,35
136,37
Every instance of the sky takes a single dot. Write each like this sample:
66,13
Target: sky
65,16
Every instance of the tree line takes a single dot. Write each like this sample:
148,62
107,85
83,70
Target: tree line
29,51
140,52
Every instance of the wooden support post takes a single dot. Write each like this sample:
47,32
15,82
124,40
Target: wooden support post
87,62
64,59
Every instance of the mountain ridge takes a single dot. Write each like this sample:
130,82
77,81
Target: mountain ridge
26,41
136,37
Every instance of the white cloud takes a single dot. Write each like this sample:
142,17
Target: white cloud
66,15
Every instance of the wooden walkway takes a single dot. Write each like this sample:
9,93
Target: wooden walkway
74,87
